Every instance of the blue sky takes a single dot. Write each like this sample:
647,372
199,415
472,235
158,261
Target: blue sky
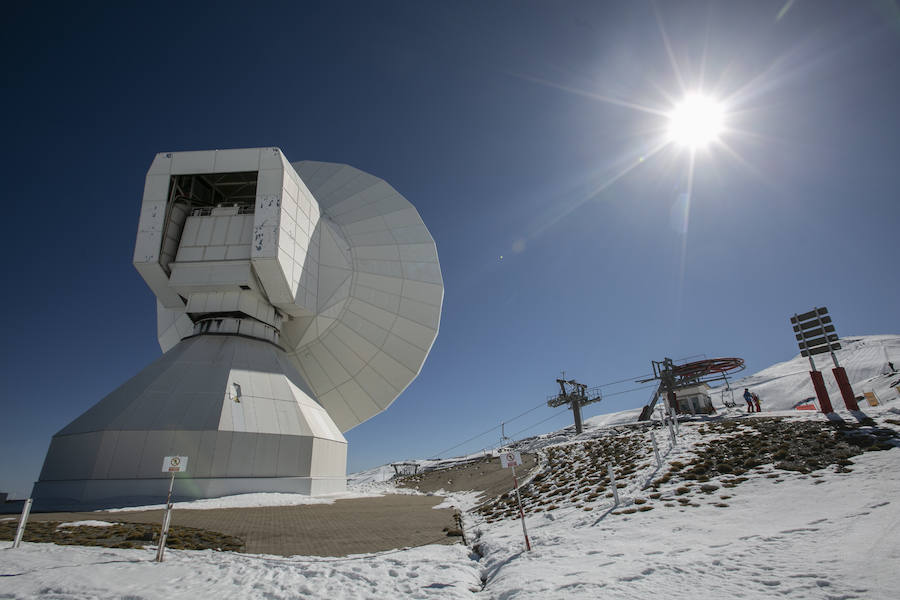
521,130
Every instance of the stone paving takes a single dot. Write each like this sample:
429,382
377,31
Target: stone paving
354,526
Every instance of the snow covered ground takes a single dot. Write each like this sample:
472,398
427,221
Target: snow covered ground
836,535
263,499
823,535
74,572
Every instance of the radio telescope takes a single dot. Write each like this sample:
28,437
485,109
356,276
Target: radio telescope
294,302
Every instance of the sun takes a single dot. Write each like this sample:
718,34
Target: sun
696,122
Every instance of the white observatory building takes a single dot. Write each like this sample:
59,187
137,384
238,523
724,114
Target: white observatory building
294,302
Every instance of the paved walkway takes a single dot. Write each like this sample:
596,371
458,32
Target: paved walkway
354,526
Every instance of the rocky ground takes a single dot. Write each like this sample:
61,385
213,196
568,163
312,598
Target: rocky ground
723,455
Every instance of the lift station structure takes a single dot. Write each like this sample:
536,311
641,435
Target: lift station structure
294,301
688,376
575,395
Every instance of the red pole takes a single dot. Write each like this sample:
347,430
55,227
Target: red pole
821,392
846,390
521,512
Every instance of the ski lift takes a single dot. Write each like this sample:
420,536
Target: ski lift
728,400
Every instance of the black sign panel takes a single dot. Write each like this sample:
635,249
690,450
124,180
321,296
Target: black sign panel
820,350
814,332
809,315
822,341
813,323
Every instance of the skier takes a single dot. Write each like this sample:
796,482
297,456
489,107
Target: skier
756,402
749,399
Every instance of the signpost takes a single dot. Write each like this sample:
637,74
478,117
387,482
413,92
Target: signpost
171,464
816,335
510,459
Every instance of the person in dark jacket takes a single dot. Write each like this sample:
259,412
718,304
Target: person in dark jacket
748,397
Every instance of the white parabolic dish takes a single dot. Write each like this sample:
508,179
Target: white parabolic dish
295,301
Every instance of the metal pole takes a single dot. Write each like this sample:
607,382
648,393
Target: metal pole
812,363
612,483
521,512
164,533
23,520
167,519
655,450
672,433
825,335
576,410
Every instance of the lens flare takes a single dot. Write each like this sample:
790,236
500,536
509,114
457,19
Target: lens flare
696,122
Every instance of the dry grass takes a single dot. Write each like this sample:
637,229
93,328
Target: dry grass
122,535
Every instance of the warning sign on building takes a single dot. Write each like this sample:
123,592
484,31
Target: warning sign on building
175,464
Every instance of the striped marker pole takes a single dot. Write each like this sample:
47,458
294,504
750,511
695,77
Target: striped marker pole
655,450
612,483
23,520
167,520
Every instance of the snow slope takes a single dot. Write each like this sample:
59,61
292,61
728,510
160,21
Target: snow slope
834,535
783,385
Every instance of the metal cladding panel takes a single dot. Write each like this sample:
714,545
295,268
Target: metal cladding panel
380,280
241,457
288,458
72,456
157,444
185,443
77,494
172,326
152,221
327,457
185,403
283,251
202,462
222,455
105,453
265,456
128,454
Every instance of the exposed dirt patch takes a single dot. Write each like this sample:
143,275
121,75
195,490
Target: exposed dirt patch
483,475
789,445
575,473
122,535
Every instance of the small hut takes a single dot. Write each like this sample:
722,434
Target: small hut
694,400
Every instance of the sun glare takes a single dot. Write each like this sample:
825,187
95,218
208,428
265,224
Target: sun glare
696,122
